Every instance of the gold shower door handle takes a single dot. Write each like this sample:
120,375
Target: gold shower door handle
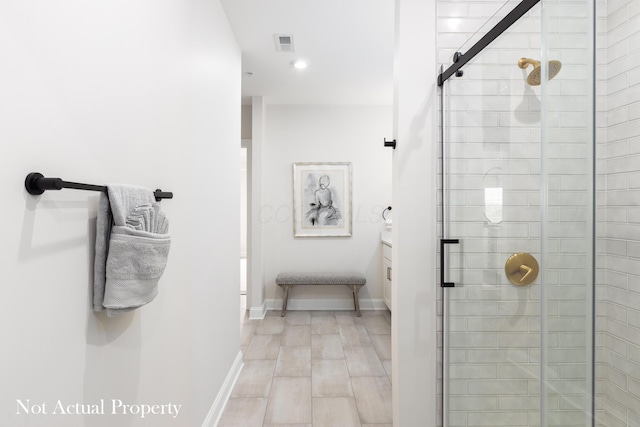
521,269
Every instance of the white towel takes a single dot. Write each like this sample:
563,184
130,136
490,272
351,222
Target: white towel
132,246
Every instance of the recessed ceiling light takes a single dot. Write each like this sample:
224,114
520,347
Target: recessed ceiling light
300,64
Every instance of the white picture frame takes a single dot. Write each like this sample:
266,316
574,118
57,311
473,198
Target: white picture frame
322,205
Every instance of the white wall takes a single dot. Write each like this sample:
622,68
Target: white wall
413,321
147,93
326,134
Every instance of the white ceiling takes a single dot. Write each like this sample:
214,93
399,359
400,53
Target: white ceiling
348,44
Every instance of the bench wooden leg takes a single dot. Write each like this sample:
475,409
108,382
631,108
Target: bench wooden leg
356,302
286,299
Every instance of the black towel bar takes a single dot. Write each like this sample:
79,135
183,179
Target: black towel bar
36,183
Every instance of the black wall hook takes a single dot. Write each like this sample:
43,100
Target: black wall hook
36,184
391,143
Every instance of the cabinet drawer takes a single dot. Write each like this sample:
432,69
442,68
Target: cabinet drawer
386,252
387,273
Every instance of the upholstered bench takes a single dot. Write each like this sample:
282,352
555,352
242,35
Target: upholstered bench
353,280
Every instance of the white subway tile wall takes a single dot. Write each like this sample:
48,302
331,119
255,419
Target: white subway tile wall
494,133
618,339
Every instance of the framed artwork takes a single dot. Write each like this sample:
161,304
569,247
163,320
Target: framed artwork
322,199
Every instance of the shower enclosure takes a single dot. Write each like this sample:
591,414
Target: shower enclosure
518,215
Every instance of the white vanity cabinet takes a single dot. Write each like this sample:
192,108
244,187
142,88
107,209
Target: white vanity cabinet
387,272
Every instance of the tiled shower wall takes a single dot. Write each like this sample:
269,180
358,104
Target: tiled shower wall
494,135
619,354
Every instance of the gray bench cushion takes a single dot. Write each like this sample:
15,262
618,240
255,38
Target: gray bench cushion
320,279
289,280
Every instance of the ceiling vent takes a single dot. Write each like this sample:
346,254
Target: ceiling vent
284,42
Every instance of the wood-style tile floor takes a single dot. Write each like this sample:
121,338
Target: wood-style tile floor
313,369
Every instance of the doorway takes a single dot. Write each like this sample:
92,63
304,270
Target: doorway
243,219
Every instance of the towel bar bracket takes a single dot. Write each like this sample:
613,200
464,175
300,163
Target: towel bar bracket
36,183
159,194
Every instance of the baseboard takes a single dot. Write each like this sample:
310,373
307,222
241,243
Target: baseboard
257,313
223,395
326,304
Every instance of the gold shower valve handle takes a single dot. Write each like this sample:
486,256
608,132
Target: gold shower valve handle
527,270
521,269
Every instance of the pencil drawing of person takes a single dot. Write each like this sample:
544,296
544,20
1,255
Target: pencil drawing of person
322,212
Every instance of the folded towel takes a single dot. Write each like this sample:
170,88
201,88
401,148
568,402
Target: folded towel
103,231
132,253
147,217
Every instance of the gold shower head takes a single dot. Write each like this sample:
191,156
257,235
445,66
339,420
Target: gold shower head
533,78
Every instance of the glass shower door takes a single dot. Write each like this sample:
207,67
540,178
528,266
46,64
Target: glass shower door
518,196
493,186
